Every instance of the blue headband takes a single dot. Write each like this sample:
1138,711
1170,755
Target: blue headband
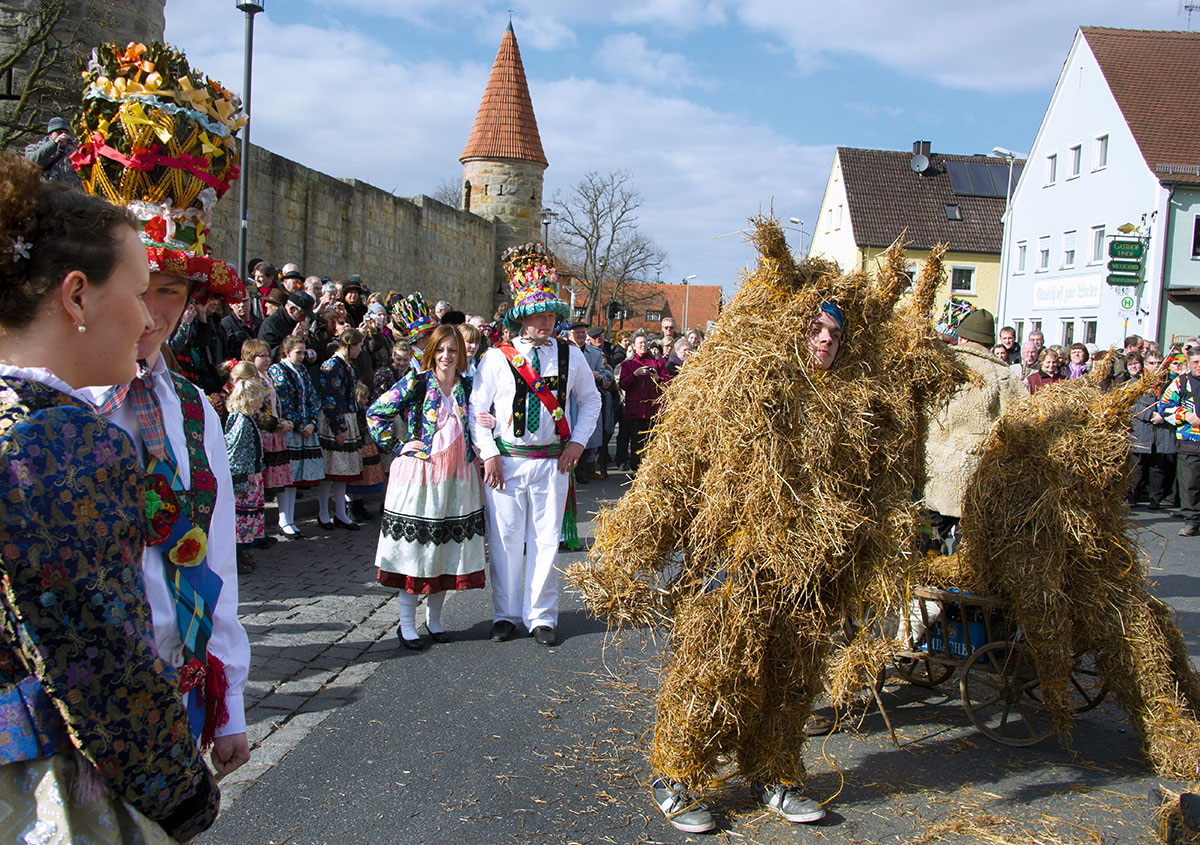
832,309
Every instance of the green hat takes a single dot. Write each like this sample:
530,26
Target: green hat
979,326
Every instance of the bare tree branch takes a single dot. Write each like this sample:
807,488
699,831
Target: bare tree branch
449,192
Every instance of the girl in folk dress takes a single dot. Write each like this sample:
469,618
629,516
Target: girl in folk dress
431,540
246,457
300,405
341,441
277,467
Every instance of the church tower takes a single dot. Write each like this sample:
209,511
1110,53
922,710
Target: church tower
503,160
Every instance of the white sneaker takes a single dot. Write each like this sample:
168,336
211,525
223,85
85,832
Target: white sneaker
682,810
788,802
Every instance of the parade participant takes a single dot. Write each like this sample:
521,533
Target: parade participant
431,540
190,563
391,373
814,519
411,315
277,467
531,453
299,405
78,667
338,432
246,455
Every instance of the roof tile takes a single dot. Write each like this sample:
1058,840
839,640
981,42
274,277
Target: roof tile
504,125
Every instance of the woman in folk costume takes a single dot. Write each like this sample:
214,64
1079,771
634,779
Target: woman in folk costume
431,540
338,432
277,465
94,739
246,455
299,406
530,454
161,141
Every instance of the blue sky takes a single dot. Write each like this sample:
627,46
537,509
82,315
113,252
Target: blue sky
719,109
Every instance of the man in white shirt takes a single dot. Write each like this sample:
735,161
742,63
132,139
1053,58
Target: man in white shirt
530,454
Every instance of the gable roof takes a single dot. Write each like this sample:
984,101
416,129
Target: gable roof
1155,78
886,197
504,125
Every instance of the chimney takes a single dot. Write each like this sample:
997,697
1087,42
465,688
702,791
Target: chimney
921,147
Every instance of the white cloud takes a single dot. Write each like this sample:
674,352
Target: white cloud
684,15
627,56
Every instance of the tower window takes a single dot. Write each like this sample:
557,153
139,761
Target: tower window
467,196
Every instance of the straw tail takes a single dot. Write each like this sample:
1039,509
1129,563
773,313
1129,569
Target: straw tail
775,259
892,278
929,282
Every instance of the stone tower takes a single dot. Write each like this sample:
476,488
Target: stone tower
503,160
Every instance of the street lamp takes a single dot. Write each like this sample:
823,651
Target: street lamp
799,224
548,215
1006,235
687,295
251,8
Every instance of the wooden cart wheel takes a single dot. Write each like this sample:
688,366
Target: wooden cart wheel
1088,687
923,671
996,686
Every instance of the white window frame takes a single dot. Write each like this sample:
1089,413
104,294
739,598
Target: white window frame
1019,327
837,221
1100,152
1094,322
1075,160
1196,239
965,267
1069,251
1051,169
1022,252
1043,257
828,219
1099,240
1066,323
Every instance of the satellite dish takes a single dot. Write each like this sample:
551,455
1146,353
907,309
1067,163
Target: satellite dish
919,163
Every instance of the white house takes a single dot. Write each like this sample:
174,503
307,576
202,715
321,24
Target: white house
1116,129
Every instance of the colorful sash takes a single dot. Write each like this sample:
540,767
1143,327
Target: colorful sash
182,532
570,525
539,387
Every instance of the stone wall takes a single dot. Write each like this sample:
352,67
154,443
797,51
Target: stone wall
335,227
508,191
80,27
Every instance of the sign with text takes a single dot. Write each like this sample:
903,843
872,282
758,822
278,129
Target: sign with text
1068,292
1126,249
1121,280
653,316
1117,266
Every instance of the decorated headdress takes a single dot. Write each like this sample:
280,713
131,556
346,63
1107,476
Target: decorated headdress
533,281
160,139
953,313
413,313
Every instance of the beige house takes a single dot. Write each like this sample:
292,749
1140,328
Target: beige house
874,197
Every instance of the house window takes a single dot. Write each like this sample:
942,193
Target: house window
1101,152
1076,158
1019,328
962,280
828,220
837,221
1089,330
1196,238
1098,242
1021,249
1035,326
1068,253
1043,261
953,212
1068,334
1051,168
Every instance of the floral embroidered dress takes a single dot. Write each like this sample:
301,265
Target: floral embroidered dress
433,525
79,674
339,406
277,466
300,405
246,466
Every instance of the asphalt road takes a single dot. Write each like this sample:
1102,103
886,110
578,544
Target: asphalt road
479,742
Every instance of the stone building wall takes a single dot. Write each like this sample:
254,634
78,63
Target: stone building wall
81,26
335,227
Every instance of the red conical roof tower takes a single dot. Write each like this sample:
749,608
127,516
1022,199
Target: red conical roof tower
504,125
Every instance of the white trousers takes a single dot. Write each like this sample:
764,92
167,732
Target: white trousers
524,522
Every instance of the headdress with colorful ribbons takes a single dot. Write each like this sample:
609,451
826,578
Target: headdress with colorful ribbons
953,313
160,139
533,280
412,312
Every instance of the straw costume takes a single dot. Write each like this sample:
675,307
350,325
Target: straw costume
160,139
775,491
527,388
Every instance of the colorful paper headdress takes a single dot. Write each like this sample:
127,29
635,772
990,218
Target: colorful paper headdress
952,314
533,280
413,313
160,139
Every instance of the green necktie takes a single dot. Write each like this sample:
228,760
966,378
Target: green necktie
534,413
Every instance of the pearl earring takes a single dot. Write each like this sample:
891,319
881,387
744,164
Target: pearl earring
81,328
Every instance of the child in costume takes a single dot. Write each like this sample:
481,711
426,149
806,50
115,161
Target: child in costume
277,467
160,139
299,408
338,431
246,455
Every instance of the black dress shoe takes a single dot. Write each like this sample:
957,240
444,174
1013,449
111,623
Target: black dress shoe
438,636
349,526
412,645
358,511
502,631
544,635
325,526
292,533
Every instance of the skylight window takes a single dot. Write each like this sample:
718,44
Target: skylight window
953,212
